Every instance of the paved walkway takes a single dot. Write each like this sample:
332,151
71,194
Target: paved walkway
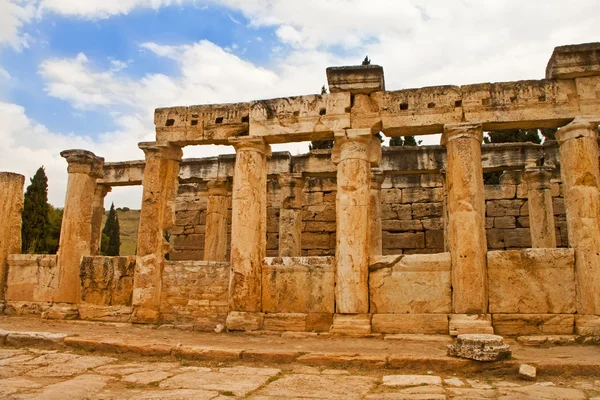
54,374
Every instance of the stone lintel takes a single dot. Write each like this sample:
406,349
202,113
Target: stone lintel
538,178
574,61
580,127
83,162
166,150
462,131
357,79
249,143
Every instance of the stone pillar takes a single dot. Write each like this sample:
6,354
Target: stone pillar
160,182
76,236
578,151
248,232
466,218
290,215
377,178
215,235
353,154
11,208
97,214
541,212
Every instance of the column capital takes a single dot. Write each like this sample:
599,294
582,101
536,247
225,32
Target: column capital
584,126
251,143
291,185
166,150
377,178
218,187
538,178
462,131
83,162
358,144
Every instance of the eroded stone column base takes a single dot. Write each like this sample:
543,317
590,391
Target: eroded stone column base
351,324
587,325
61,311
480,347
471,324
244,321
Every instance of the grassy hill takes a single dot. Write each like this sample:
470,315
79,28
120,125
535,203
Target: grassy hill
128,224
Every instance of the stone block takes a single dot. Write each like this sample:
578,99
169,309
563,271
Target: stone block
31,278
391,225
434,239
427,210
244,321
391,196
433,223
351,324
323,212
502,208
410,323
107,281
587,325
505,222
319,322
396,211
495,238
417,284
314,240
517,238
285,322
298,285
404,240
93,312
470,324
533,324
314,226
500,192
422,195
531,281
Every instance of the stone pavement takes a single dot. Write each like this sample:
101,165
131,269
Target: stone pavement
30,373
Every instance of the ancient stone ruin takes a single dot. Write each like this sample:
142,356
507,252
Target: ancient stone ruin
357,240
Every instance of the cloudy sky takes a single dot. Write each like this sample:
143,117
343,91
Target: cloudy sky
89,73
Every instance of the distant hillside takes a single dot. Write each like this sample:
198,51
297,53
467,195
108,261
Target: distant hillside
128,224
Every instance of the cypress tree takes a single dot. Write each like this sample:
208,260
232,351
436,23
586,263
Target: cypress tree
404,141
35,229
111,238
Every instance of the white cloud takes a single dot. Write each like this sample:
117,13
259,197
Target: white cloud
13,15
93,9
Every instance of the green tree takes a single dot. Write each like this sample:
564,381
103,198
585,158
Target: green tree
320,145
111,238
35,228
55,217
404,141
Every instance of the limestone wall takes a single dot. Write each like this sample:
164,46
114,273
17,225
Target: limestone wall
194,294
31,283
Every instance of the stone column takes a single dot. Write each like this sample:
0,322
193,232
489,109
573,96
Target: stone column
353,156
76,230
215,235
248,232
377,178
541,212
290,215
578,151
466,218
160,182
97,214
11,208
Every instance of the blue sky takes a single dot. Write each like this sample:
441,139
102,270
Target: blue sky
88,74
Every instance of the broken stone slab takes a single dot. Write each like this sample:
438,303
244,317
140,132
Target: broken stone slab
480,347
61,312
527,372
22,339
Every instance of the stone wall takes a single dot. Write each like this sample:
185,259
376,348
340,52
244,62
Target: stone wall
194,294
31,283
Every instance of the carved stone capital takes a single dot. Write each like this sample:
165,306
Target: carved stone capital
580,127
83,162
538,178
462,131
377,178
165,150
356,144
247,143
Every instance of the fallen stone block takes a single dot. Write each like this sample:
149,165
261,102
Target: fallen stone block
527,372
480,347
23,339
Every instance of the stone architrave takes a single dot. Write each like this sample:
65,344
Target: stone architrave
248,224
11,208
156,217
354,152
290,215
377,179
541,211
466,222
97,214
76,234
578,148
215,236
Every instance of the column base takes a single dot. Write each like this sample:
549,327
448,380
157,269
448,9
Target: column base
244,321
351,324
61,311
587,325
470,323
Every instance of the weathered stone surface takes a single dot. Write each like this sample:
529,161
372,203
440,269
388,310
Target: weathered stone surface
533,324
215,239
11,207
32,277
354,324
78,388
285,322
573,61
587,325
470,324
527,372
145,378
107,281
298,285
244,321
538,391
318,386
480,347
411,380
410,323
218,381
532,281
105,313
541,210
416,284
34,339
